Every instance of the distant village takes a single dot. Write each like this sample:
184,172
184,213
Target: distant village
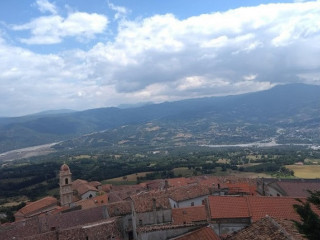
201,208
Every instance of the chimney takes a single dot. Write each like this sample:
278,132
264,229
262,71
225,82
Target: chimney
166,184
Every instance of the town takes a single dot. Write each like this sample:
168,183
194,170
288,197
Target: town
199,207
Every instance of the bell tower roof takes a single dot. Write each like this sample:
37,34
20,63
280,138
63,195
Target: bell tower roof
65,168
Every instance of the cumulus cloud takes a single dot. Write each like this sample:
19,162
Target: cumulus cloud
162,58
121,12
227,45
46,6
52,29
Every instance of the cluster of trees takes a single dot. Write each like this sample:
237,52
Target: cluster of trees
9,211
35,177
310,225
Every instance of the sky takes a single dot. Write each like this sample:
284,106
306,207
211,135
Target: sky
79,54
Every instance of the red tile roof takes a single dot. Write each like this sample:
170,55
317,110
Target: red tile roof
189,214
95,184
93,202
120,193
205,233
78,182
222,207
119,208
82,189
279,207
228,207
106,187
39,205
144,202
188,192
268,228
178,182
298,189
241,188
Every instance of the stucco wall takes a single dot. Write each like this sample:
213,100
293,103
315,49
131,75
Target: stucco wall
188,203
227,228
160,216
87,194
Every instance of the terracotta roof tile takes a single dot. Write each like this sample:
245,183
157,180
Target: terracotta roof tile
268,228
298,189
279,207
242,188
38,205
83,188
188,192
106,187
228,207
95,184
205,233
78,182
252,206
120,193
144,202
178,182
119,208
93,202
189,214
157,184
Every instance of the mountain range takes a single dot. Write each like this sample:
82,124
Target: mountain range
291,113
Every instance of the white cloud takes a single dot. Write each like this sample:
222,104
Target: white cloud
121,12
250,77
46,6
52,29
162,58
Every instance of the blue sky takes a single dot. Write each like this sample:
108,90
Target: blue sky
81,54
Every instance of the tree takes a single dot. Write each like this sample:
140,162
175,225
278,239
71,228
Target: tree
310,225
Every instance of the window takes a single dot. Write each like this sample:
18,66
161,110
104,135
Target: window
192,204
140,222
66,181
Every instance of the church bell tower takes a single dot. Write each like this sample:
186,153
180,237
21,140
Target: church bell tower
66,192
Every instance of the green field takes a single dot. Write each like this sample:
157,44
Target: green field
305,171
126,179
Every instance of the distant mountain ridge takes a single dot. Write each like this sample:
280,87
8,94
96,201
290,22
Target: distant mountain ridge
294,106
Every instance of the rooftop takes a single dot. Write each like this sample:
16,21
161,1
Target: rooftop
298,189
223,207
188,192
119,208
189,214
205,233
93,202
42,203
145,202
268,228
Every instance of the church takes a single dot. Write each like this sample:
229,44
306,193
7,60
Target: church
79,193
